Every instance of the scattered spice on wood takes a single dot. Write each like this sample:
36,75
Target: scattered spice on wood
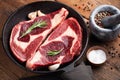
83,4
91,4
109,52
74,4
119,55
113,55
86,8
79,7
100,16
116,51
111,68
88,3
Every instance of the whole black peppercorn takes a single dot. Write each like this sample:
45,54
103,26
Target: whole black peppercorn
100,16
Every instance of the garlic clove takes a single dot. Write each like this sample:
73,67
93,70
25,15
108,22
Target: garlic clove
54,67
39,13
32,15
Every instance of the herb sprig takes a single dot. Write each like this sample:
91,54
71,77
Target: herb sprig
39,24
54,52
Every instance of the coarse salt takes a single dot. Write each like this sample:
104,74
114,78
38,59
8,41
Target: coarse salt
97,56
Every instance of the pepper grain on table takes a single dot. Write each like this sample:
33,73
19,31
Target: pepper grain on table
108,71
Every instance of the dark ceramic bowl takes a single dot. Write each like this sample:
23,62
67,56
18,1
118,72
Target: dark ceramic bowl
104,34
45,7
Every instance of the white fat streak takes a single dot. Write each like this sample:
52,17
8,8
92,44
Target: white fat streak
60,59
55,21
58,17
68,32
24,45
33,60
36,57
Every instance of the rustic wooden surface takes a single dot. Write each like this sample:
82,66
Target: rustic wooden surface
108,71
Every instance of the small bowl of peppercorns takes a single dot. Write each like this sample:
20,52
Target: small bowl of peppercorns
96,26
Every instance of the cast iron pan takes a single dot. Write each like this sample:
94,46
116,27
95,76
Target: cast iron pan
45,7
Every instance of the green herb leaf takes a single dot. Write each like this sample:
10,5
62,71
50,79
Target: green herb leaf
54,52
40,24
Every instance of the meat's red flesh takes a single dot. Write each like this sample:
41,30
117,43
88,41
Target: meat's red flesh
67,36
24,48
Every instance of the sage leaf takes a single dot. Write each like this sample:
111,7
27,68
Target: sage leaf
39,24
54,52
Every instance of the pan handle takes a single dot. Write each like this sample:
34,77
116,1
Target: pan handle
74,64
71,66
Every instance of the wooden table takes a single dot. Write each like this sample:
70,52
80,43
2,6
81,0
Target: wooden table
109,71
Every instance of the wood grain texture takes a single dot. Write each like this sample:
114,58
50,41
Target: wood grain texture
108,71
84,7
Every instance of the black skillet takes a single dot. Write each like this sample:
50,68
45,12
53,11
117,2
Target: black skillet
45,7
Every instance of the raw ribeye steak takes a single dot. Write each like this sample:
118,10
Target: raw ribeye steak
60,47
24,42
